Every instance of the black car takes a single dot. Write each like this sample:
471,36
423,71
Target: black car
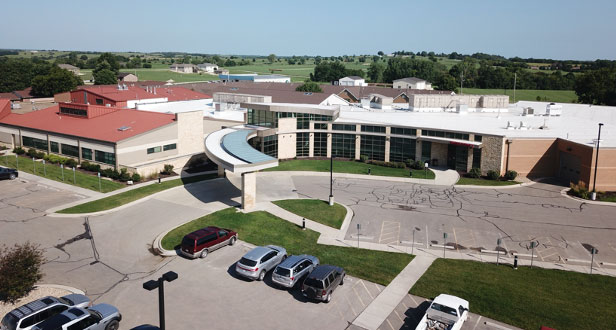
8,173
322,281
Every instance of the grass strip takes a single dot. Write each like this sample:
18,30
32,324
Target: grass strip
352,167
262,228
316,210
484,182
526,298
132,195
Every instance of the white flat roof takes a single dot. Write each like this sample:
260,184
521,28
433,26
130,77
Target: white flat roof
577,123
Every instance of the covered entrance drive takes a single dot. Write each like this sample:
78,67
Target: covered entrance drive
229,149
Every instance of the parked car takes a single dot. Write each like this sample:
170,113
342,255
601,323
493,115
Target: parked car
445,312
294,269
260,260
322,281
203,241
8,173
26,316
97,317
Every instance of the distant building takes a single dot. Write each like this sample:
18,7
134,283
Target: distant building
127,77
183,68
352,81
208,67
276,78
71,68
412,83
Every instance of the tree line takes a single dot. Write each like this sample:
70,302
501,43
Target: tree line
46,79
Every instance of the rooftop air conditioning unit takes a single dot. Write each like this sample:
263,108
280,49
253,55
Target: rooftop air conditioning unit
462,108
554,109
530,112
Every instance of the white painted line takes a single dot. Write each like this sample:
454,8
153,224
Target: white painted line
578,260
494,252
362,237
411,243
524,255
440,246
607,264
427,239
495,326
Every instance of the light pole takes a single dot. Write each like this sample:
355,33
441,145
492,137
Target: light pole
413,246
445,243
160,284
498,244
593,251
331,179
532,252
593,195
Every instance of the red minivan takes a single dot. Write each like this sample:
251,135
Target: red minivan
203,241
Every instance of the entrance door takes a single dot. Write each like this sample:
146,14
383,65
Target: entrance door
569,169
457,157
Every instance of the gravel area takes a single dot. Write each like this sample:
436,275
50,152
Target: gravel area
38,292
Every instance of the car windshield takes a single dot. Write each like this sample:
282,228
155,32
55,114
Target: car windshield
283,271
314,283
444,309
248,262
66,301
10,321
188,242
55,322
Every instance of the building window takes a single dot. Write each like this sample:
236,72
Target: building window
86,153
343,145
344,127
478,138
476,158
322,126
99,101
266,118
373,147
171,146
401,150
302,145
70,150
403,131
270,145
449,135
154,150
54,146
73,112
34,143
372,129
320,145
426,151
105,157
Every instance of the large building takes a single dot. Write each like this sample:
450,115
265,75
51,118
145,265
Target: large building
412,83
270,78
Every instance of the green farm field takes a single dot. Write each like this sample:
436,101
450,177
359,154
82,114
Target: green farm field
528,94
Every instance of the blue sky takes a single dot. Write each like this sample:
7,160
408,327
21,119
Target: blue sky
583,30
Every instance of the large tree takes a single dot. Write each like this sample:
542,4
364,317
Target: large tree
328,71
309,86
57,81
375,72
104,75
597,87
406,67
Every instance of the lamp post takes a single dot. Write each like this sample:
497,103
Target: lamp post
445,243
532,253
498,244
593,195
413,246
331,180
160,284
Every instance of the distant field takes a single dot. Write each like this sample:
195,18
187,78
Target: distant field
164,75
528,94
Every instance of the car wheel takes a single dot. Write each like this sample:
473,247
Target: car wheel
261,275
12,176
203,253
328,298
113,325
232,240
342,280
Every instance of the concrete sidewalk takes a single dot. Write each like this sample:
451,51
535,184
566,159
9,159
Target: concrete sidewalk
87,193
380,308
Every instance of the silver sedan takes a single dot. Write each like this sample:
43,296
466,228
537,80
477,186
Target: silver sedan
260,260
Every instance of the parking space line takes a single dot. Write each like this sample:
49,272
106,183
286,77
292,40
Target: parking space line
377,287
358,297
350,305
364,284
399,317
427,238
391,326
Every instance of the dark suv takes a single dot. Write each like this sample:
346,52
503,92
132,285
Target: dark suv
322,281
203,241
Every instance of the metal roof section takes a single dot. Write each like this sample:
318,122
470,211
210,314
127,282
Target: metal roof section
229,148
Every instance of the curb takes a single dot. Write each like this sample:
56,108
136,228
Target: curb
586,201
52,213
346,222
359,177
63,287
518,185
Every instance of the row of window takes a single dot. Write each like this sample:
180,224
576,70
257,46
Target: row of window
372,129
302,145
373,146
344,127
70,150
269,119
403,131
270,145
343,145
73,112
449,135
166,147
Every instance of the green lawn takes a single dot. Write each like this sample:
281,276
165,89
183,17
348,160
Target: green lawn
120,199
316,210
528,94
165,74
263,228
54,172
484,182
526,298
353,167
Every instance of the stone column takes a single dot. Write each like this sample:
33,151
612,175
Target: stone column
469,161
417,149
249,190
329,144
387,142
221,171
357,146
311,144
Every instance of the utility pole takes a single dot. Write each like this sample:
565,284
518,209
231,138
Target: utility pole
461,80
593,195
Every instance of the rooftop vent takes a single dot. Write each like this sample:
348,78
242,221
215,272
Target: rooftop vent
124,128
308,93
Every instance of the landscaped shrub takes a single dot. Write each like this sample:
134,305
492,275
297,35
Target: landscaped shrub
31,152
417,165
510,175
69,162
39,155
167,169
109,173
124,175
579,190
85,165
363,158
474,173
492,175
136,177
20,269
19,150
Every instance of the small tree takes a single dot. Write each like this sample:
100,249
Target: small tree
309,87
20,269
492,175
271,58
167,169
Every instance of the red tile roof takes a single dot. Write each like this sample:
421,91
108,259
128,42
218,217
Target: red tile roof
180,94
5,107
113,93
103,128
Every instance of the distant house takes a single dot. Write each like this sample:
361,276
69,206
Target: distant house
183,68
127,77
352,81
412,83
207,67
71,68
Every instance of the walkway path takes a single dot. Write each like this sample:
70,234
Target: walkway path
380,308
